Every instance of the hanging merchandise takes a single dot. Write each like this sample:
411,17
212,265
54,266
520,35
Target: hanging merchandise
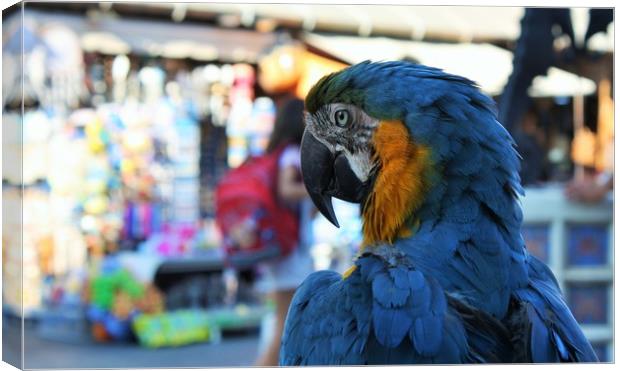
141,220
26,257
66,175
12,257
152,80
201,79
261,125
64,66
69,246
23,63
67,164
185,152
36,133
217,82
99,203
11,148
120,71
95,79
241,95
142,213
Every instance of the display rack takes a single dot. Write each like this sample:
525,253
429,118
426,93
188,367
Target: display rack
576,241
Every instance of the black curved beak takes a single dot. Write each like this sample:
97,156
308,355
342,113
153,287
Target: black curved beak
328,175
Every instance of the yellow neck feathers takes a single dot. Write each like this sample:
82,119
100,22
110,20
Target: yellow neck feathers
399,187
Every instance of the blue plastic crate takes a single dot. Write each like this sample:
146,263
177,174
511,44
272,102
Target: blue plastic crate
536,237
589,302
588,245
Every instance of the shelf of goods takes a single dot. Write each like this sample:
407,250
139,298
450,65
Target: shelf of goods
576,241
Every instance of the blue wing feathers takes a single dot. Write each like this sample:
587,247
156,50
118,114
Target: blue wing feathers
347,321
555,332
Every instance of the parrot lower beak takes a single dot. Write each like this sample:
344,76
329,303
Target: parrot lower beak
328,175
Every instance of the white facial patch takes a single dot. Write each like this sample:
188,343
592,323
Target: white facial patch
360,163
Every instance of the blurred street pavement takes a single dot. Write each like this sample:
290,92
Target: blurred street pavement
239,349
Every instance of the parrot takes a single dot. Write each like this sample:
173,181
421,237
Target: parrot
442,274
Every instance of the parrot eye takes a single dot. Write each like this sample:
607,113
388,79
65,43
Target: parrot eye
342,118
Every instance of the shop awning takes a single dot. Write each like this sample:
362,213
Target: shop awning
486,64
421,22
110,35
456,23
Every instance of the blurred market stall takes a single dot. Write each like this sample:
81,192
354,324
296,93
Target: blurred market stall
120,143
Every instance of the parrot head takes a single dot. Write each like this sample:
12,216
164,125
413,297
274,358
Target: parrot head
397,138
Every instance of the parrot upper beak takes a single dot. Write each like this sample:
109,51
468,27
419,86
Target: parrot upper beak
328,175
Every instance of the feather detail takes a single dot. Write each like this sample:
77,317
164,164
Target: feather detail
399,186
348,272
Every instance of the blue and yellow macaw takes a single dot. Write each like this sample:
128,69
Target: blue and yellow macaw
443,275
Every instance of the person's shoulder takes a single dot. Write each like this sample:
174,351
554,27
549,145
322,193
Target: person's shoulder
292,147
290,155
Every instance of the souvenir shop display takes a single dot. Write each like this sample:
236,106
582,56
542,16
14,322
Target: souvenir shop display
11,147
64,67
115,298
175,328
15,259
141,219
262,121
238,125
35,248
64,318
23,61
36,132
121,157
173,240
98,201
185,152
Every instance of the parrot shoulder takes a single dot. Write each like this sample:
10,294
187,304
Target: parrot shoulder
326,323
414,320
385,312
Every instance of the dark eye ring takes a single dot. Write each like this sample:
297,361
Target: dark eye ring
342,118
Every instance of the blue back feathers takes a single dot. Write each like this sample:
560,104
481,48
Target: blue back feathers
384,313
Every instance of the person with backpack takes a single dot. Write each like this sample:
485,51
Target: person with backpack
281,277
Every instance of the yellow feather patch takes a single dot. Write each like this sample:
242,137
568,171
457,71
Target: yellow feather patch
348,272
400,185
